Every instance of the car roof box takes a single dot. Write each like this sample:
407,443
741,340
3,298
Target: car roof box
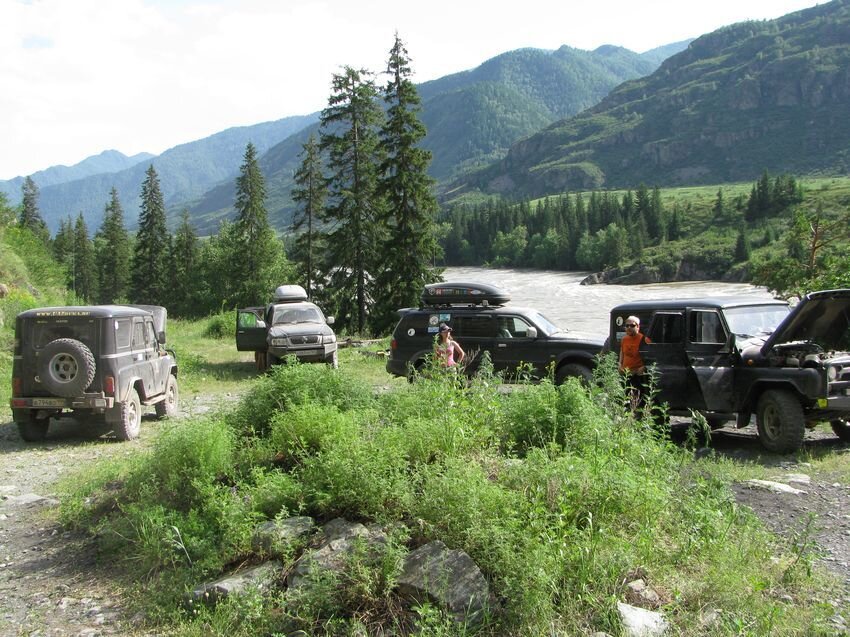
460,293
289,294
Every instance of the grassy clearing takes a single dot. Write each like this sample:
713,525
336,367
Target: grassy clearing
558,494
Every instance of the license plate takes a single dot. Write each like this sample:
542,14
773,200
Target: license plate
48,402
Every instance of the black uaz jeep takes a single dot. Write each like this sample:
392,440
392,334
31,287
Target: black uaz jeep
101,362
482,320
730,358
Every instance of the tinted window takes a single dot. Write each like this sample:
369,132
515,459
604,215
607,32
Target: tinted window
667,328
474,327
44,333
512,327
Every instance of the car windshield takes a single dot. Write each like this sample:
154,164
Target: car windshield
755,320
296,315
545,325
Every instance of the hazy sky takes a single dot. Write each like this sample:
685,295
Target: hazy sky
81,76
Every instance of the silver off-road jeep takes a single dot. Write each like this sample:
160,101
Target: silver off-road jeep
102,363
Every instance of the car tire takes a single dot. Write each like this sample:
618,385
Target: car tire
271,360
34,429
168,407
130,423
582,372
66,367
841,429
333,360
780,422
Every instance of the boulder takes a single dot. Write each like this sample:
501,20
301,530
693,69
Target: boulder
260,578
272,536
639,622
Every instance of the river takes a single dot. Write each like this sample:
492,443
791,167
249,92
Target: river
585,308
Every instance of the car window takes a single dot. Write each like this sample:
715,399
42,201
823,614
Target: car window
296,315
44,333
123,329
667,328
474,327
138,335
247,319
151,334
705,327
512,327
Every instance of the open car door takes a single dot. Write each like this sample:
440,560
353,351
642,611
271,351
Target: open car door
251,330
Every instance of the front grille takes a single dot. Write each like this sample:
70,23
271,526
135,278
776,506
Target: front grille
311,339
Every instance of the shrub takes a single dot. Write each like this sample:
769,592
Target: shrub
220,326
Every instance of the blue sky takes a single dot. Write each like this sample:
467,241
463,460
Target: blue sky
83,76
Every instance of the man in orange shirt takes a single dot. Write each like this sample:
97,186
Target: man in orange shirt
631,362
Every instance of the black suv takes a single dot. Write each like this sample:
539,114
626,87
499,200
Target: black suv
730,358
100,362
481,320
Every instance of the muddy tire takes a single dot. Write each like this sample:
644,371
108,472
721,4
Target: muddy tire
130,424
780,422
33,430
582,372
842,429
66,367
168,407
271,360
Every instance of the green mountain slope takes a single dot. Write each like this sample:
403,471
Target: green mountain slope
748,97
472,117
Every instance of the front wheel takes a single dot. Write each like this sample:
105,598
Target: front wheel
168,407
842,429
130,424
333,360
780,422
582,372
33,429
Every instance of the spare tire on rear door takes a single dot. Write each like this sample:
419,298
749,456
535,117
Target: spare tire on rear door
66,367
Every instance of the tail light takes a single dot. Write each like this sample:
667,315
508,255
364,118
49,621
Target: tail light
109,385
16,386
393,344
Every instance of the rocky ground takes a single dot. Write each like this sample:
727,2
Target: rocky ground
51,583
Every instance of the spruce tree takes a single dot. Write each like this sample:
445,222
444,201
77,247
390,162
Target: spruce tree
309,194
63,249
258,259
184,266
85,272
410,248
149,279
30,217
112,253
349,133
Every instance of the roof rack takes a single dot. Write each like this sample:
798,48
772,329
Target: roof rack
461,293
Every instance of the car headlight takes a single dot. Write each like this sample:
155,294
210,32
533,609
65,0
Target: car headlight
327,339
831,373
278,342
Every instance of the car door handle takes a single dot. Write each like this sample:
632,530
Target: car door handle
502,345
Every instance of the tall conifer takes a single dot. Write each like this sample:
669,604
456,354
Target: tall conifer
349,133
310,192
30,215
149,279
112,253
85,273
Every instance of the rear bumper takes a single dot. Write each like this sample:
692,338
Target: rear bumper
53,403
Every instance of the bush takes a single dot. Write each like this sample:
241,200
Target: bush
220,326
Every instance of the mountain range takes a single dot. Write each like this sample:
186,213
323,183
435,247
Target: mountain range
472,117
754,96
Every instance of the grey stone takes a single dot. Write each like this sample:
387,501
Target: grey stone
775,487
449,577
639,622
260,578
281,533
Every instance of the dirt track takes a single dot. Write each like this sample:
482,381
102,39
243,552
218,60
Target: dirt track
51,583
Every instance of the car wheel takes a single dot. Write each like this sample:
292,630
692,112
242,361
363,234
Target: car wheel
66,367
333,360
168,407
841,429
271,359
582,372
130,424
34,429
780,422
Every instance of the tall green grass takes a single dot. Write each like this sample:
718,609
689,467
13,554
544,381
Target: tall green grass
558,493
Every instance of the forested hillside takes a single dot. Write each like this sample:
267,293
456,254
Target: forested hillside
757,95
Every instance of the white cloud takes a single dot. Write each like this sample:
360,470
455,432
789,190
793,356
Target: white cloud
82,76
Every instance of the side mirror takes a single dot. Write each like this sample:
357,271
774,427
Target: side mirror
160,336
532,332
329,320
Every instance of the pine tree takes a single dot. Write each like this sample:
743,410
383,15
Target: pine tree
30,217
411,246
184,263
112,253
149,279
63,249
743,248
7,212
349,132
85,272
259,263
310,193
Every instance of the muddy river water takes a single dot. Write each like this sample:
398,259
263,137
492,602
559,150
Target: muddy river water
584,308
